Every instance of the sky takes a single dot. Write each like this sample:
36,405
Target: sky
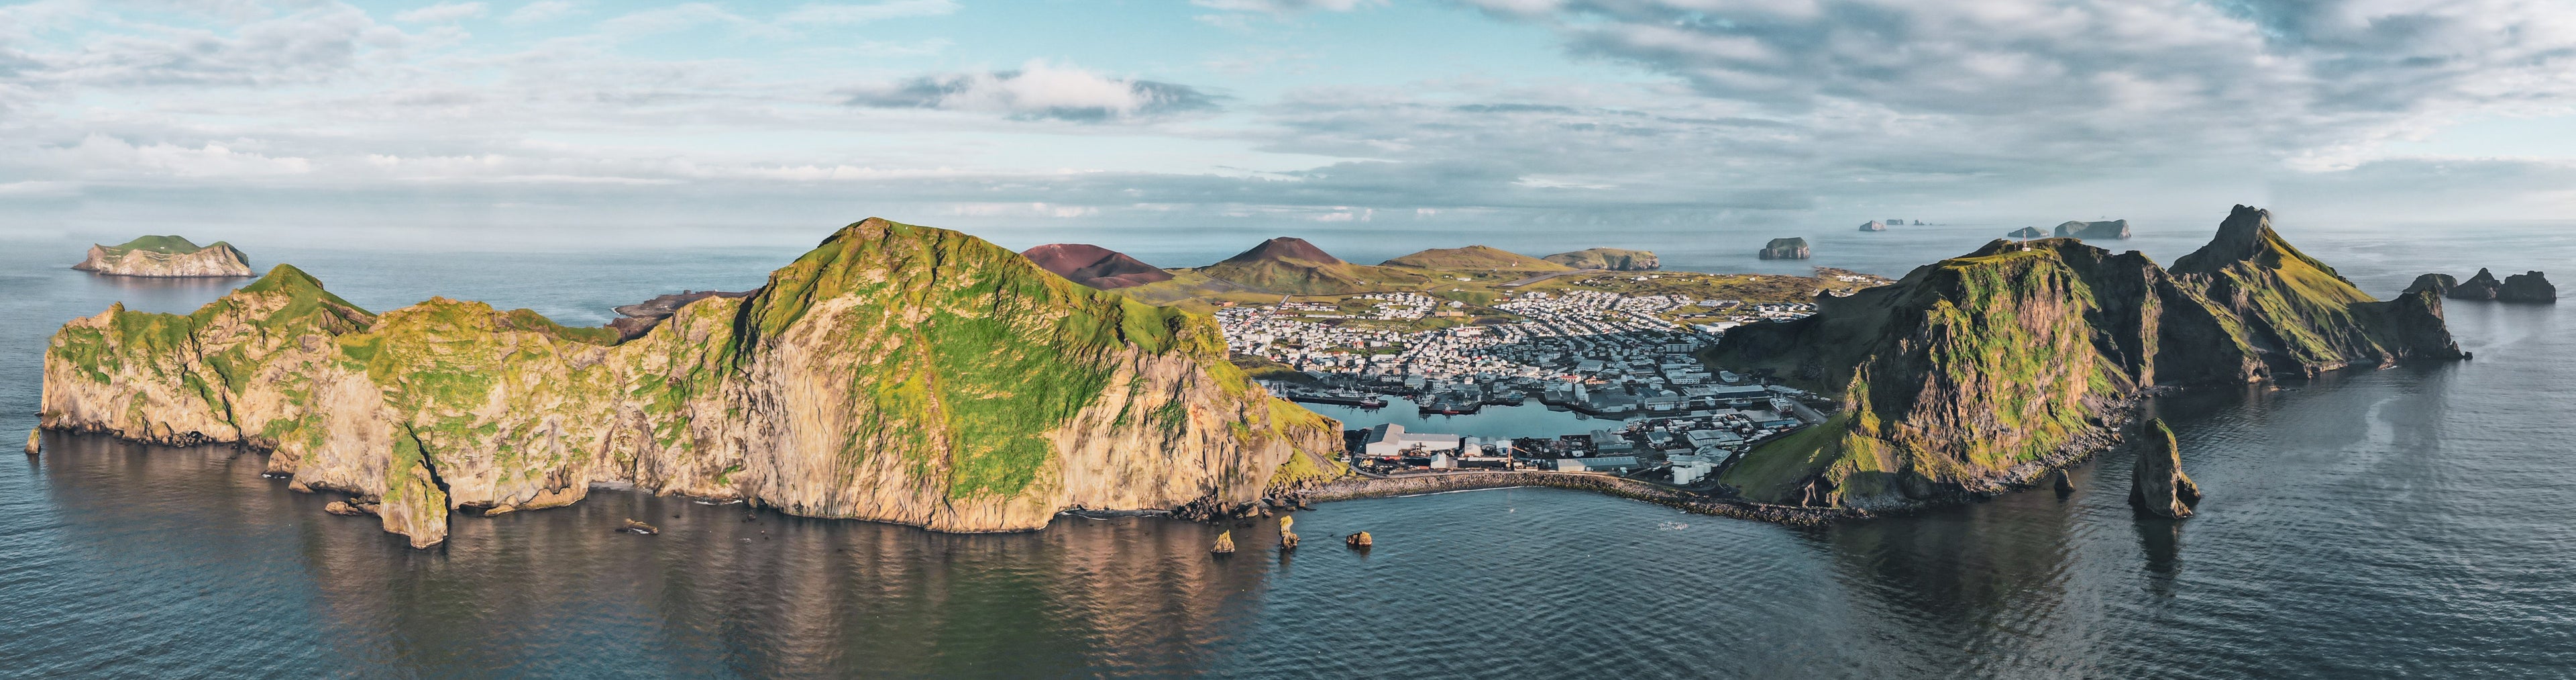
640,122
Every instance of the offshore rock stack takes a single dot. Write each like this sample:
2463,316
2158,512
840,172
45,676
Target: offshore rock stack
1287,539
2159,487
1224,543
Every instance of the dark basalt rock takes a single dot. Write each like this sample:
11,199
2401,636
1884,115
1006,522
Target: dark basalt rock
1873,225
2528,286
2159,486
2439,284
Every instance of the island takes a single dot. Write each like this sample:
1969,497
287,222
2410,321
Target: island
1873,225
2529,286
1613,259
166,257
2027,233
1985,372
1792,248
2114,229
894,373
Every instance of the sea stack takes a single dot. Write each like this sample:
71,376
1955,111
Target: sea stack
2159,486
2113,229
1224,543
1287,539
2529,286
2439,284
166,257
1359,540
1873,225
1792,248
35,441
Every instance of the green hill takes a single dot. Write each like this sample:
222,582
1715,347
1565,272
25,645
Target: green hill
1474,258
894,373
1984,371
1292,266
1614,259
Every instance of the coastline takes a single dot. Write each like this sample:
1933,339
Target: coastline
1355,488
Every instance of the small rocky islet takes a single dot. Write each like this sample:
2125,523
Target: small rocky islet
2530,286
166,257
1791,248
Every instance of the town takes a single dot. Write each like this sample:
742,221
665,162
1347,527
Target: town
1629,360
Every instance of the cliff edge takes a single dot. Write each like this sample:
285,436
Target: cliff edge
894,373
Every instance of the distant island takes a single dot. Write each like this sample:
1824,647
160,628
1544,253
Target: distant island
166,257
1981,373
1613,259
2531,286
2027,233
1791,248
894,373
2114,229
1873,225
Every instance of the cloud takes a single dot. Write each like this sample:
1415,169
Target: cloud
859,13
1285,6
540,11
1037,90
445,12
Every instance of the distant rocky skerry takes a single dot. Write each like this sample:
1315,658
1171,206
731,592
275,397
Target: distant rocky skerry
2531,286
167,257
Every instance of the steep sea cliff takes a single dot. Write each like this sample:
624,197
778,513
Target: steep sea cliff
1982,372
894,373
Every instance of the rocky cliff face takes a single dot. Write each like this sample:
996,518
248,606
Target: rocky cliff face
895,373
1982,372
166,256
1792,248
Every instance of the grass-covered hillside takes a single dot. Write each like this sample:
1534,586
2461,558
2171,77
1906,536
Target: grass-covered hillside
895,372
1983,371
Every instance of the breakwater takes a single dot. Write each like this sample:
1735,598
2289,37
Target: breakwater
1351,488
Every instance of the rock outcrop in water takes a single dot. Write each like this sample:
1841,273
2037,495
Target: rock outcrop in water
2158,486
2113,229
1873,225
1980,373
1094,266
2524,287
1792,248
1613,259
166,257
895,373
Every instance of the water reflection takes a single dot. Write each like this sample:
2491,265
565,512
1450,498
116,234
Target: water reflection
558,592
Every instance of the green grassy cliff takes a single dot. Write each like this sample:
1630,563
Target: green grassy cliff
1984,371
896,373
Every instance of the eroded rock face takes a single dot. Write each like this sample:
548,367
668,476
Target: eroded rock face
166,257
2158,486
1981,373
1792,248
895,373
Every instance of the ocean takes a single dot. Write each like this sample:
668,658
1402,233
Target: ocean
2395,523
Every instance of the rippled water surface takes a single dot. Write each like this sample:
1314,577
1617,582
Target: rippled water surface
2409,522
